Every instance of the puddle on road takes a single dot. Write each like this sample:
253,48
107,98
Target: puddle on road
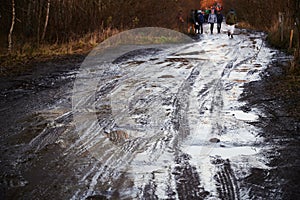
240,115
226,152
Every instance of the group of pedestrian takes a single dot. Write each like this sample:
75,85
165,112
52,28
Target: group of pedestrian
215,19
211,16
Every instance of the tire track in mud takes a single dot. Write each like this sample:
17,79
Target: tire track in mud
185,174
211,105
150,189
116,155
178,130
227,185
187,180
114,162
226,182
181,104
188,183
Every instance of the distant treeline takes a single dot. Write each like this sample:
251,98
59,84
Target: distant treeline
57,21
265,14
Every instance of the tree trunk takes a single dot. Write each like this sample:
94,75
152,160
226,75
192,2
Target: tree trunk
297,49
297,20
46,20
11,27
100,6
28,20
40,7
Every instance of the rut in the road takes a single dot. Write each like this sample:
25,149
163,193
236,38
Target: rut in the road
187,179
181,105
227,185
188,185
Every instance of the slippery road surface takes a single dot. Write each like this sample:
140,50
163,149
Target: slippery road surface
155,122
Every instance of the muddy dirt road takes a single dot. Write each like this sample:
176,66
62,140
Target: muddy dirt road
141,122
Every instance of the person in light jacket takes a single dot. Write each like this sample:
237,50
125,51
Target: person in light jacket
231,20
212,19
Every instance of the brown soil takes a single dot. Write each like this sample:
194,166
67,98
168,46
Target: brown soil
277,95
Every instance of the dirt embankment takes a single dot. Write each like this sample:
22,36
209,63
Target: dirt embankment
277,95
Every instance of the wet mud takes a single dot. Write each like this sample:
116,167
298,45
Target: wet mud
277,94
175,124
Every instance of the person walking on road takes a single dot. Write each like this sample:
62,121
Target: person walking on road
231,20
197,25
219,21
180,21
191,22
212,19
200,21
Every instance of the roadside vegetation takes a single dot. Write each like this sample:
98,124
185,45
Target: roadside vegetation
280,19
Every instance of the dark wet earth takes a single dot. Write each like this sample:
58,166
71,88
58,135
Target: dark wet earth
41,157
277,94
22,100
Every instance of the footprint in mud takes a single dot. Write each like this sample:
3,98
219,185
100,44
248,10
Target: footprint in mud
214,140
166,76
258,65
222,46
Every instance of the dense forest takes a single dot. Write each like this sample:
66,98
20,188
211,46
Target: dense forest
59,21
26,24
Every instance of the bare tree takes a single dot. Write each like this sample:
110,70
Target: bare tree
40,7
46,20
28,18
12,26
296,15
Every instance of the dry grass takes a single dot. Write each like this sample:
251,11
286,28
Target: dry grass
22,56
245,25
26,54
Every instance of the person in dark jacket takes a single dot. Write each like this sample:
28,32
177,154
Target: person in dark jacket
200,21
197,25
219,21
191,22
